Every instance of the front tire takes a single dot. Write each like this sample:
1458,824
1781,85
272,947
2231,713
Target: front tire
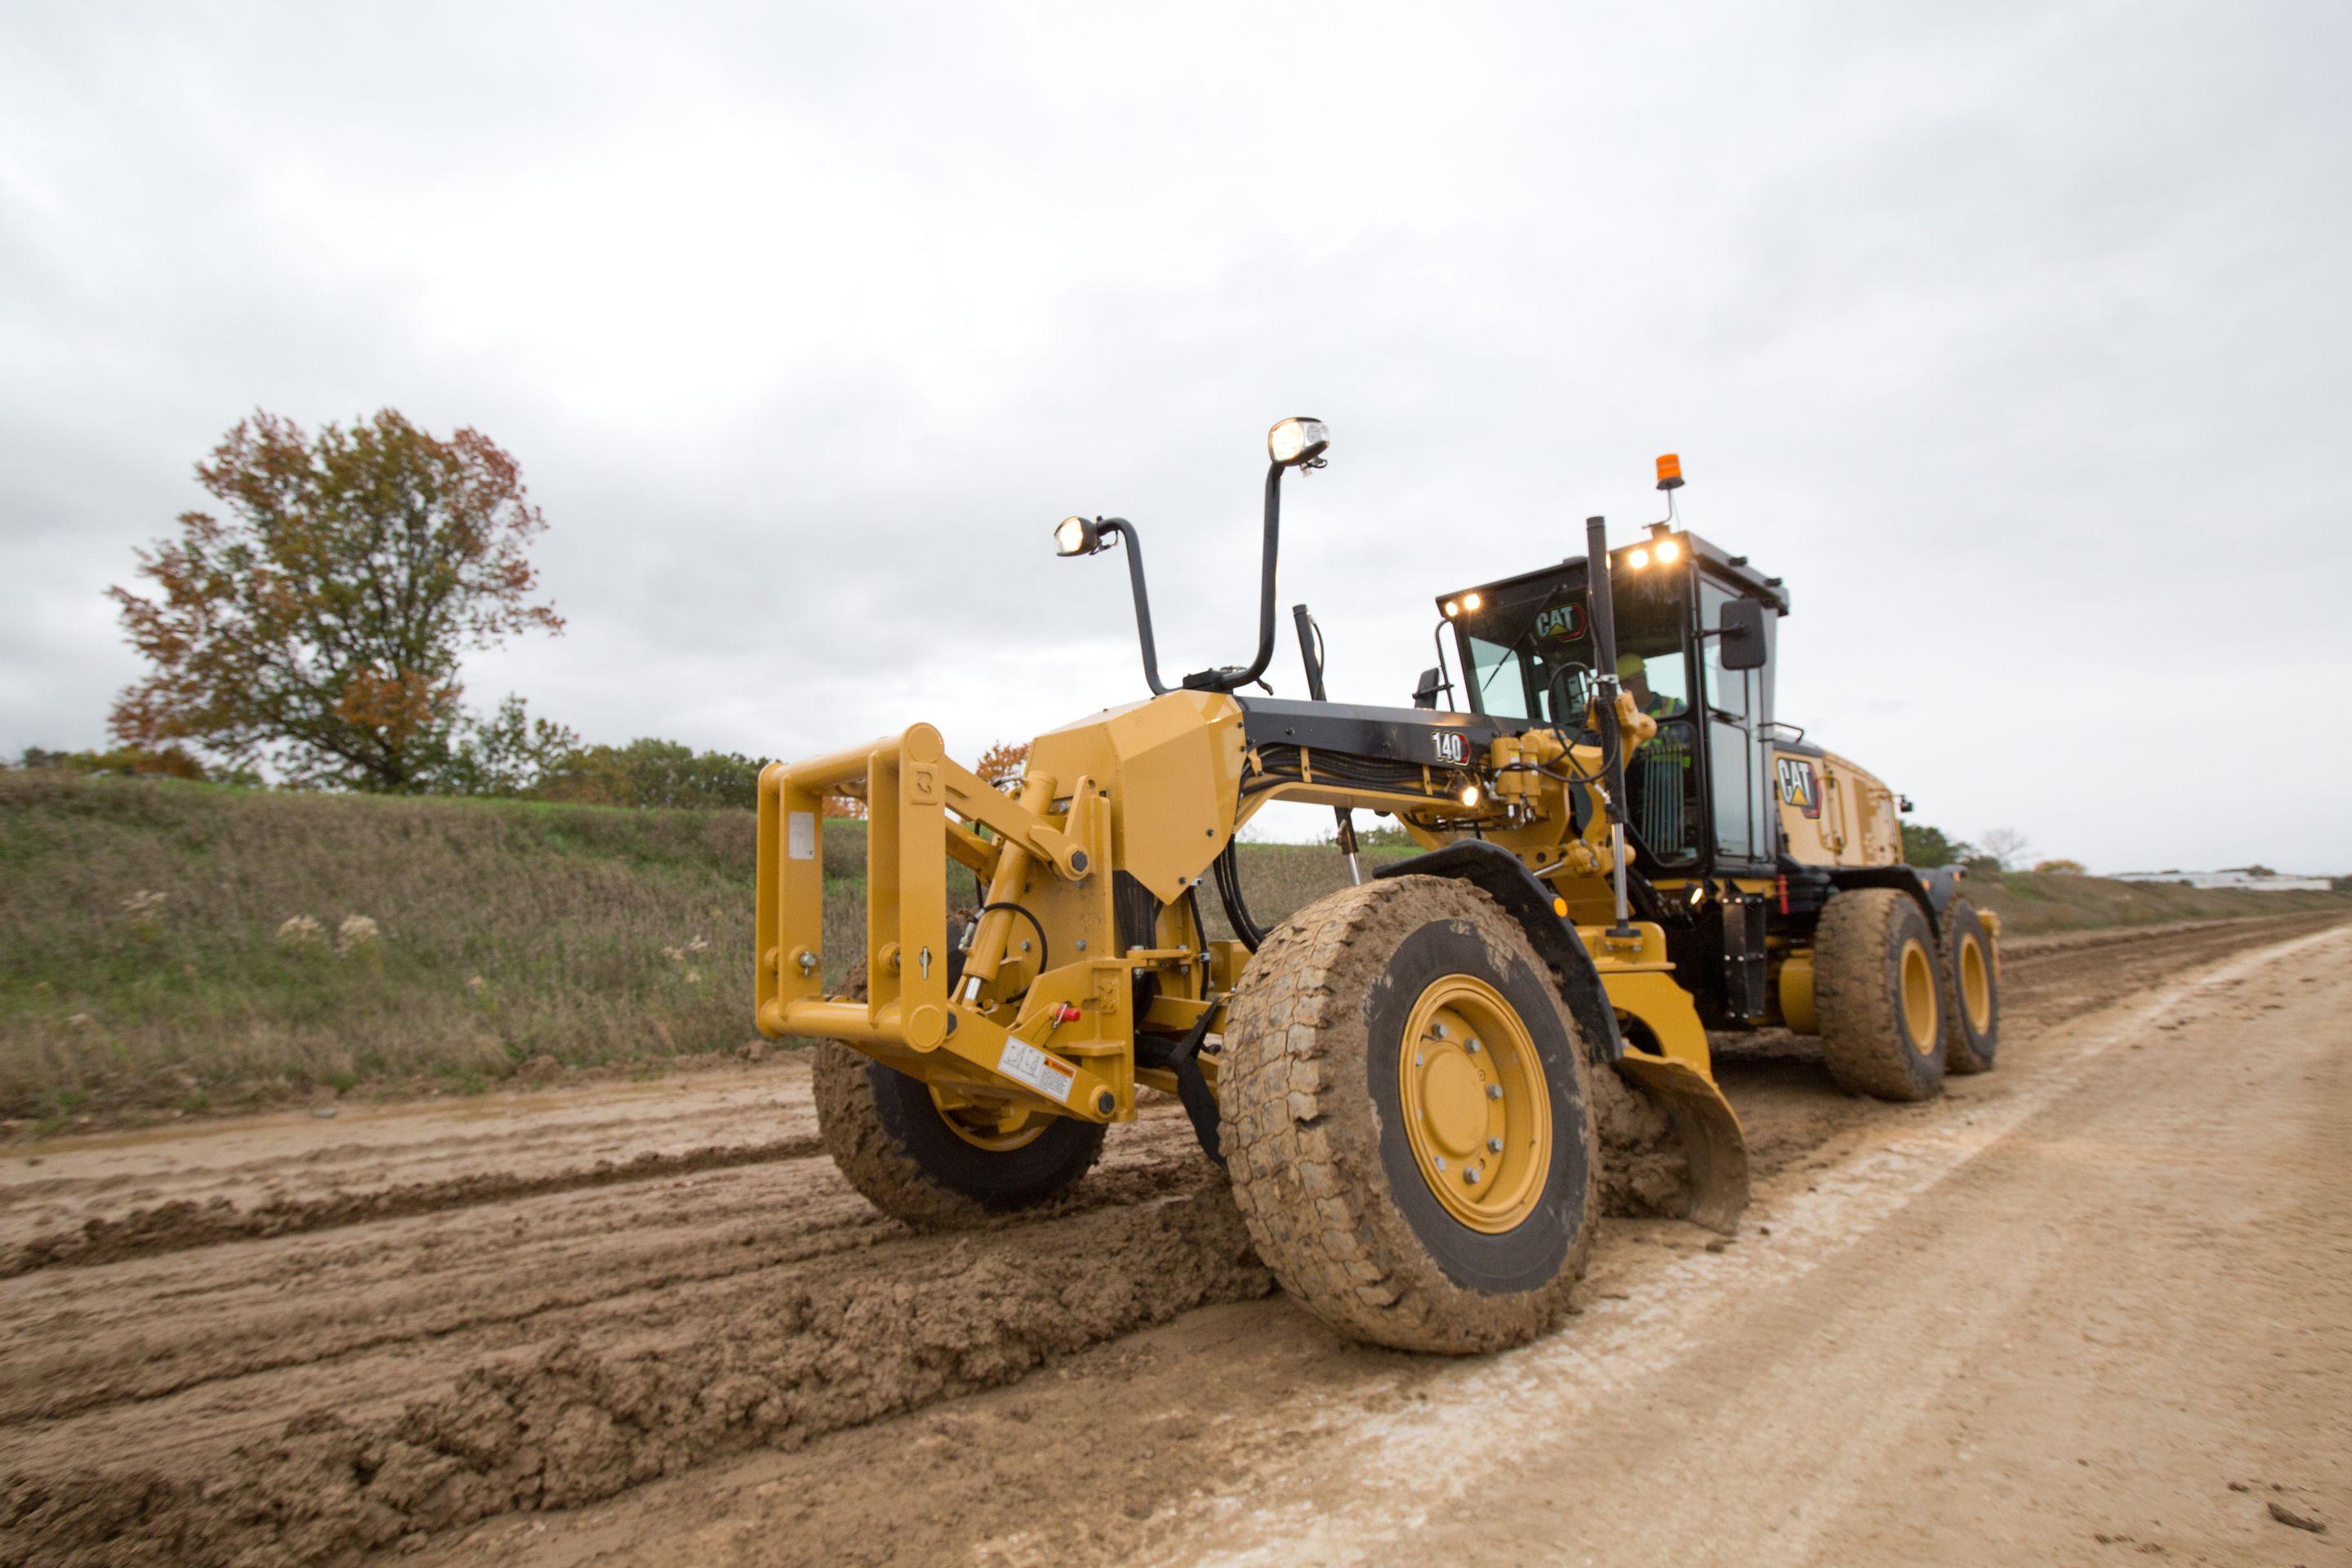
1407,1120
935,1168
1877,991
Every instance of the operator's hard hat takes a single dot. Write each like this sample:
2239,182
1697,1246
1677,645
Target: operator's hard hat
1630,665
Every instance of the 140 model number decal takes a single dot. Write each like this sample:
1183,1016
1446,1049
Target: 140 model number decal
1449,745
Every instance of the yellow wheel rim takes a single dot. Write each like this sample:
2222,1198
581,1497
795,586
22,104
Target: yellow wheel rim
1976,985
1919,998
1476,1107
1000,1129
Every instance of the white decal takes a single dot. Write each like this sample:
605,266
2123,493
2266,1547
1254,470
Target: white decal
802,846
1049,1075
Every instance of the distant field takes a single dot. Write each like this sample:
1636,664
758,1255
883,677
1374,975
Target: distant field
146,962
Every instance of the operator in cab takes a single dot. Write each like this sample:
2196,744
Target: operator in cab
1633,675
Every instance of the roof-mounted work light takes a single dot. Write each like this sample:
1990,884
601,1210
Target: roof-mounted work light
1077,536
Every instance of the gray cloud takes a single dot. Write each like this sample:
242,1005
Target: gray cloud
2012,336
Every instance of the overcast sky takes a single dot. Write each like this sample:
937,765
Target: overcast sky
2015,336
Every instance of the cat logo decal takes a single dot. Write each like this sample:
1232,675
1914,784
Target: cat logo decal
1798,786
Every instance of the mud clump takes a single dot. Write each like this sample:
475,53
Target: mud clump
890,1332
1644,1171
181,1225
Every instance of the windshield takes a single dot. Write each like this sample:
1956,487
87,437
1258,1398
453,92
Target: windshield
1529,646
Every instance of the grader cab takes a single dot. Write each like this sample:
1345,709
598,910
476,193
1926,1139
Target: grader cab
1622,849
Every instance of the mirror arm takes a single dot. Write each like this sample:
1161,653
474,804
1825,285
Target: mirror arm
1225,678
1265,579
1134,542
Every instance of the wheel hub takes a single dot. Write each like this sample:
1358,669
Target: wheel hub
1919,998
1476,1105
1975,984
996,1126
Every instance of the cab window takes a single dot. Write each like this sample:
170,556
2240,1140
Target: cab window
1497,676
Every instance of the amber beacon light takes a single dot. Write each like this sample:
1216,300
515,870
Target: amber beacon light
1670,472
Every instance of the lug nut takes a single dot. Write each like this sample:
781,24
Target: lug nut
1441,1162
1440,1031
1494,1145
1494,1091
1472,1047
1471,1175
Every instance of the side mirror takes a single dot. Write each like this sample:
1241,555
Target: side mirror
1432,681
1742,630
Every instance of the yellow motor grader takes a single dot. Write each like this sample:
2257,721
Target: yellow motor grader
1624,848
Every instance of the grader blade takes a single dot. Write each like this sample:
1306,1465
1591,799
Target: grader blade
1708,1132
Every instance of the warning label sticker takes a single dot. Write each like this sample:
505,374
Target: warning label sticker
800,834
1049,1075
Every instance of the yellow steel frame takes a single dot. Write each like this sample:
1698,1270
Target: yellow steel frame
920,807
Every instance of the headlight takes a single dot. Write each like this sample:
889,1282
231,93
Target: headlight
1638,559
1453,608
1667,551
1295,441
1471,601
1077,536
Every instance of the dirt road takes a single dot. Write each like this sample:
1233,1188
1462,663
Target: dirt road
2074,1300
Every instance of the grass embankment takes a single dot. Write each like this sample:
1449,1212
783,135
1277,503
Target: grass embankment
146,962
2034,903
142,963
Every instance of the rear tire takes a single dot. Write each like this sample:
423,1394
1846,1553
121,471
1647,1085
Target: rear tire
894,1144
1875,987
1386,1042
1971,992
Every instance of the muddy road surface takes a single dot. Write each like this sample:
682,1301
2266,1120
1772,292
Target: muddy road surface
2057,1316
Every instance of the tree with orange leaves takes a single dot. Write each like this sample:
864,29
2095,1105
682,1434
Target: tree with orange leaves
1003,761
318,625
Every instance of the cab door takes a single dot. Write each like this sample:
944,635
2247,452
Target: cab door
1737,714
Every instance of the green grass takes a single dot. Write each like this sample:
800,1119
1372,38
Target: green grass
506,931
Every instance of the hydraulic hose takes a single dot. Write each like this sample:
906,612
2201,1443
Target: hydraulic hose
1229,894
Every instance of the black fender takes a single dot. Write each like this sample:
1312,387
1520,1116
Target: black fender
1498,873
1933,888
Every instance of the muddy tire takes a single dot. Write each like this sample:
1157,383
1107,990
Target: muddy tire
1381,1035
1971,992
1875,989
910,1159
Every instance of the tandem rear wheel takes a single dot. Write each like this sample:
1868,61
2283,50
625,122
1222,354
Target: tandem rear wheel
1971,990
1878,990
1406,1119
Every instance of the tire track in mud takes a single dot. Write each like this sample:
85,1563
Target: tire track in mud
184,1225
647,1369
888,1332
474,1306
